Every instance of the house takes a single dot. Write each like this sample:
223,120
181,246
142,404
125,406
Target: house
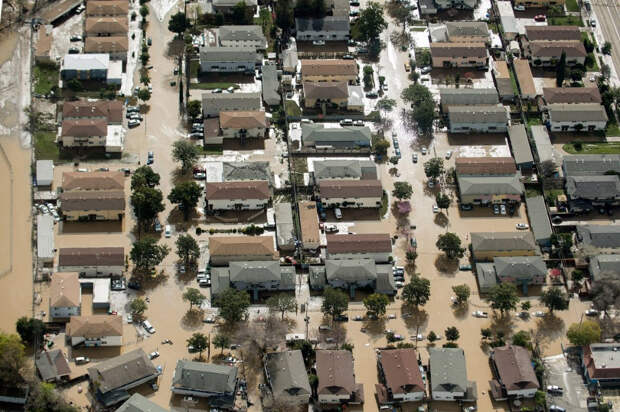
540,3
65,295
334,94
485,166
106,26
355,101
486,246
329,28
102,8
571,95
309,223
448,376
552,33
456,4
109,110
348,137
43,47
604,266
83,132
218,383
539,220
226,249
285,228
227,59
328,70
343,169
577,117
520,144
352,274
515,376
467,96
85,67
400,377
484,190
477,118
290,59
525,79
245,195
600,190
242,36
503,82
92,261
255,276
241,125
598,237
95,330
507,17
226,6
375,246
52,366
44,172
450,54
286,375
467,32
590,165
270,85
544,148
214,103
86,196
521,271
45,239
334,369
549,52
112,378
75,181
601,365
350,193
116,46
138,403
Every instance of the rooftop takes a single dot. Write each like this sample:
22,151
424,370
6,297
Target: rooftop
514,366
498,241
521,149
401,371
138,403
544,48
448,369
309,221
93,181
112,44
112,110
98,200
286,374
335,372
328,23
52,365
122,370
468,96
95,326
586,112
467,28
524,77
243,120
534,33
600,236
359,243
347,188
242,33
593,187
490,185
571,95
325,90
328,67
448,49
99,25
590,164
250,189
539,218
91,256
86,61
485,166
480,113
85,127
241,245
65,290
227,54
206,377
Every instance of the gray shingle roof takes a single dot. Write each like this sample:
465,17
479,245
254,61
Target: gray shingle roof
590,164
544,148
240,171
520,144
467,28
539,218
500,241
138,403
605,266
593,187
242,33
205,377
385,280
341,169
213,103
220,280
585,112
600,236
121,370
350,271
52,365
285,229
254,271
482,113
329,23
318,134
468,96
448,370
270,84
227,54
485,273
520,267
286,374
490,185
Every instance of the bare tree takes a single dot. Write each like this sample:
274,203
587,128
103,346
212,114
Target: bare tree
606,292
547,168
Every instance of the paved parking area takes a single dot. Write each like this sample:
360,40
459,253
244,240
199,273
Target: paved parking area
560,373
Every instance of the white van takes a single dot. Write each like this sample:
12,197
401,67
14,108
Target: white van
338,213
148,327
168,231
81,359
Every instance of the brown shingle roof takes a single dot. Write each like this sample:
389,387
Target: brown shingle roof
335,372
326,90
52,365
571,95
107,8
485,166
65,290
92,200
243,120
91,256
359,243
501,68
93,181
309,220
85,127
241,245
95,326
44,43
113,44
257,189
524,77
111,25
350,188
541,48
402,374
447,49
514,366
328,67
122,370
112,110
557,33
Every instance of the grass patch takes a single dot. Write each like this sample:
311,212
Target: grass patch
211,86
45,147
292,109
593,148
45,77
565,21
534,121
513,81
211,152
532,192
194,67
384,204
612,129
571,5
265,20
299,166
552,195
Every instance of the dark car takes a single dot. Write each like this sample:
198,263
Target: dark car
372,95
341,318
134,284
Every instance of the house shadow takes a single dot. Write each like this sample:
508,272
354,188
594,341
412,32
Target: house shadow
441,219
239,78
550,327
237,216
354,214
99,353
563,138
477,139
446,266
68,228
248,144
455,15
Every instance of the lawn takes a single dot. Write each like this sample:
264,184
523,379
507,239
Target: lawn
214,85
593,148
45,147
534,121
571,5
265,20
513,81
594,66
565,21
292,109
45,77
612,129
532,192
194,67
299,166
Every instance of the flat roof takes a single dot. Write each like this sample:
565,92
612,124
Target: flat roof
309,220
520,144
525,78
45,237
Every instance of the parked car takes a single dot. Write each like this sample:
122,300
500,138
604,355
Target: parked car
430,184
407,67
341,318
118,284
358,123
346,122
358,318
540,17
448,154
129,318
414,158
480,314
148,327
556,408
519,7
592,22
168,231
592,312
338,213
157,225
435,209
502,209
133,123
372,95
216,91
76,38
426,70
424,151
522,226
209,319
466,207
539,314
74,50
134,284
496,209
465,267
318,42
154,355
80,360
555,389
150,158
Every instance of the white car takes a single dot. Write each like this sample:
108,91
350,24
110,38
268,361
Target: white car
448,154
522,226
319,42
129,318
539,314
154,355
519,7
503,209
391,316
424,151
435,209
480,314
168,231
591,312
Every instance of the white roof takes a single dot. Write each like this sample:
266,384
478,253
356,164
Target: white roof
101,289
115,137
507,17
45,172
86,62
45,237
115,70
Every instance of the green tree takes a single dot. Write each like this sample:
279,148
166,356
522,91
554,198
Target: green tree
588,45
241,14
178,23
416,94
45,398
423,115
540,398
144,176
12,361
433,168
462,293
522,338
144,94
554,299
185,152
380,147
560,70
31,330
450,244
417,292
144,11
486,333
386,104
75,85
199,342
282,303
371,23
233,304
221,341
284,15
606,49
443,201
194,297
318,8
584,333
146,202
138,306
526,305
402,190
376,304
411,256
452,333
503,297
303,8
146,254
562,242
193,108
334,302
186,195
432,337
187,249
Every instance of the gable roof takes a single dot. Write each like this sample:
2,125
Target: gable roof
89,61
107,7
93,181
520,144
590,164
254,272
534,33
217,100
520,267
447,367
270,84
309,221
448,49
490,185
542,142
600,236
286,374
84,127
325,90
328,67
138,403
539,218
239,171
486,166
65,290
122,370
335,372
401,371
243,120
580,112
350,270
524,77
95,326
96,25
91,256
241,245
468,96
52,365
544,48
206,377
249,189
241,33
92,200
500,241
478,113
110,109
593,187
604,266
467,28
340,169
318,134
359,243
328,23
112,44
227,54
514,367
571,95
347,188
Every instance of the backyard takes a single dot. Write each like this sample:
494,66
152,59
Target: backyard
571,5
45,78
565,21
592,148
45,146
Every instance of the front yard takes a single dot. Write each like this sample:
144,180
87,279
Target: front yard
593,148
571,5
565,21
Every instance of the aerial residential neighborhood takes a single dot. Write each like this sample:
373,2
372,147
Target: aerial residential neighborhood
326,205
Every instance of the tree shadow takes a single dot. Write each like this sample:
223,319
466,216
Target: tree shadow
150,281
461,311
441,219
502,322
550,327
374,328
445,265
415,319
177,176
192,319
